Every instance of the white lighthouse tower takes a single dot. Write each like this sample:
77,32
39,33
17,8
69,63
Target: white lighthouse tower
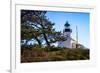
67,34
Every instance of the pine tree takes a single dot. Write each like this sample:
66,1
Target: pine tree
35,25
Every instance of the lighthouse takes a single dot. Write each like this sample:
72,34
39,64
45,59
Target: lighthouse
67,34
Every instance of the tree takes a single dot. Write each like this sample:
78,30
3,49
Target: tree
29,29
28,33
35,25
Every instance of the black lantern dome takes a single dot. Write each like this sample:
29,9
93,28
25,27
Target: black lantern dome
67,24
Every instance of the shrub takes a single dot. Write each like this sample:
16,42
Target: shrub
77,54
50,53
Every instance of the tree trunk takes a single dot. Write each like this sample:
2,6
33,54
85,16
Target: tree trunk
38,41
44,34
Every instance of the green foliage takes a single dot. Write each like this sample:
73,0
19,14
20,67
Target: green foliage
77,54
35,25
34,54
38,54
56,56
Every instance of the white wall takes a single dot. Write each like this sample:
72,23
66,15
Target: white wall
5,36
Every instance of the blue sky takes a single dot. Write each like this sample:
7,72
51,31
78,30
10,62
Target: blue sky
79,19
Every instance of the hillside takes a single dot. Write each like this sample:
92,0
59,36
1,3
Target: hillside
37,54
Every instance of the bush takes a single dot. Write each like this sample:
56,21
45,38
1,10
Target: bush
56,56
50,53
35,54
77,54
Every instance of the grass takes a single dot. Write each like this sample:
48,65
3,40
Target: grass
37,54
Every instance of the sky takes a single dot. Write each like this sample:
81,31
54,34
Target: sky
79,19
